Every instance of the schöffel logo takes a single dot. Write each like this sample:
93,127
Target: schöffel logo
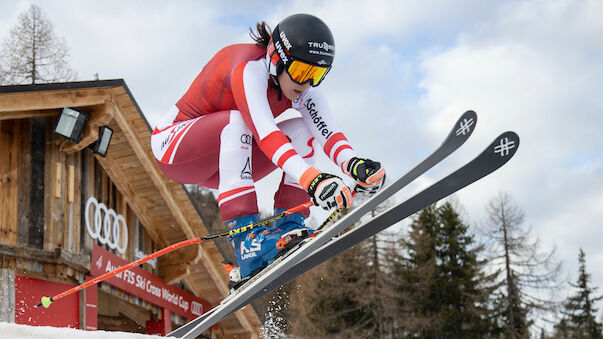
246,172
317,119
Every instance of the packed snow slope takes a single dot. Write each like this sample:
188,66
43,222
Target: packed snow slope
16,331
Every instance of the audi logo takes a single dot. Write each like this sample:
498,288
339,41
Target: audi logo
107,225
196,308
246,139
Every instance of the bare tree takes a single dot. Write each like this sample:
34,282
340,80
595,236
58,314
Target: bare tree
531,277
32,53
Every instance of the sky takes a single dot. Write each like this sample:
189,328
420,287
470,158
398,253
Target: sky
403,73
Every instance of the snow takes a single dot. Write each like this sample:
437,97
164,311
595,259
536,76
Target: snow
17,331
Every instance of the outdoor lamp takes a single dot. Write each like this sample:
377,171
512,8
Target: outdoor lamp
102,144
71,124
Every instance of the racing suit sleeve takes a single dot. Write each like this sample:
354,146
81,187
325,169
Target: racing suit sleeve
249,87
316,114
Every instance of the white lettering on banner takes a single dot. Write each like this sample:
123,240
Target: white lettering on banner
140,282
154,290
107,225
99,262
175,299
182,303
147,286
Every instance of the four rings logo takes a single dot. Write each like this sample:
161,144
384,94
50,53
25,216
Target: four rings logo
108,225
246,139
196,308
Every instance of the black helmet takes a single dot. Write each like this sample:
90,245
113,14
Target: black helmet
302,45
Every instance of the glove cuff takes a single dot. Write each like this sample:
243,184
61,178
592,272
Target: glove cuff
349,166
308,176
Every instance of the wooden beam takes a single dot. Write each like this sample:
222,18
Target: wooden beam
35,222
9,181
58,180
44,100
29,114
25,182
78,262
7,295
135,313
174,272
70,183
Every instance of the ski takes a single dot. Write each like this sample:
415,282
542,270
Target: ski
460,132
494,157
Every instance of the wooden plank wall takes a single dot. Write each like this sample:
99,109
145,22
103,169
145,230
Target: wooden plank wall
37,158
9,181
24,219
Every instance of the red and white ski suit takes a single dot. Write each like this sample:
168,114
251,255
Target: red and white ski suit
222,133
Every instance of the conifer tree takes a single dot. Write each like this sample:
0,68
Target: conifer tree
446,292
529,282
579,314
348,296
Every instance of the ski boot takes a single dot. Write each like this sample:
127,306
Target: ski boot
259,247
295,231
252,249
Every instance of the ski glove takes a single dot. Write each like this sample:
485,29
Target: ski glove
328,191
369,175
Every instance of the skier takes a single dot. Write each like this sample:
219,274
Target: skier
222,134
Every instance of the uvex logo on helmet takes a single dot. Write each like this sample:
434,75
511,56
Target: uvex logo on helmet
285,40
300,42
281,52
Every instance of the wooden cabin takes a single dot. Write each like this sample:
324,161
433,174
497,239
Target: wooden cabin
52,237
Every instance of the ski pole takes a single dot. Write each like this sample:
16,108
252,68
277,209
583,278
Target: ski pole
46,301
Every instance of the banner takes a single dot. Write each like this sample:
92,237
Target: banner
147,286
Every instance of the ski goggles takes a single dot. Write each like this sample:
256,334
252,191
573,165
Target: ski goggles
302,72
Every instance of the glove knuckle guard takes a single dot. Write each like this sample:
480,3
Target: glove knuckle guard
329,191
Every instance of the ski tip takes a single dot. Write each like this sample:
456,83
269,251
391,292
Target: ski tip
469,114
505,145
462,129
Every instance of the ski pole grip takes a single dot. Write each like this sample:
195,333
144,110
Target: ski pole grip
305,205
